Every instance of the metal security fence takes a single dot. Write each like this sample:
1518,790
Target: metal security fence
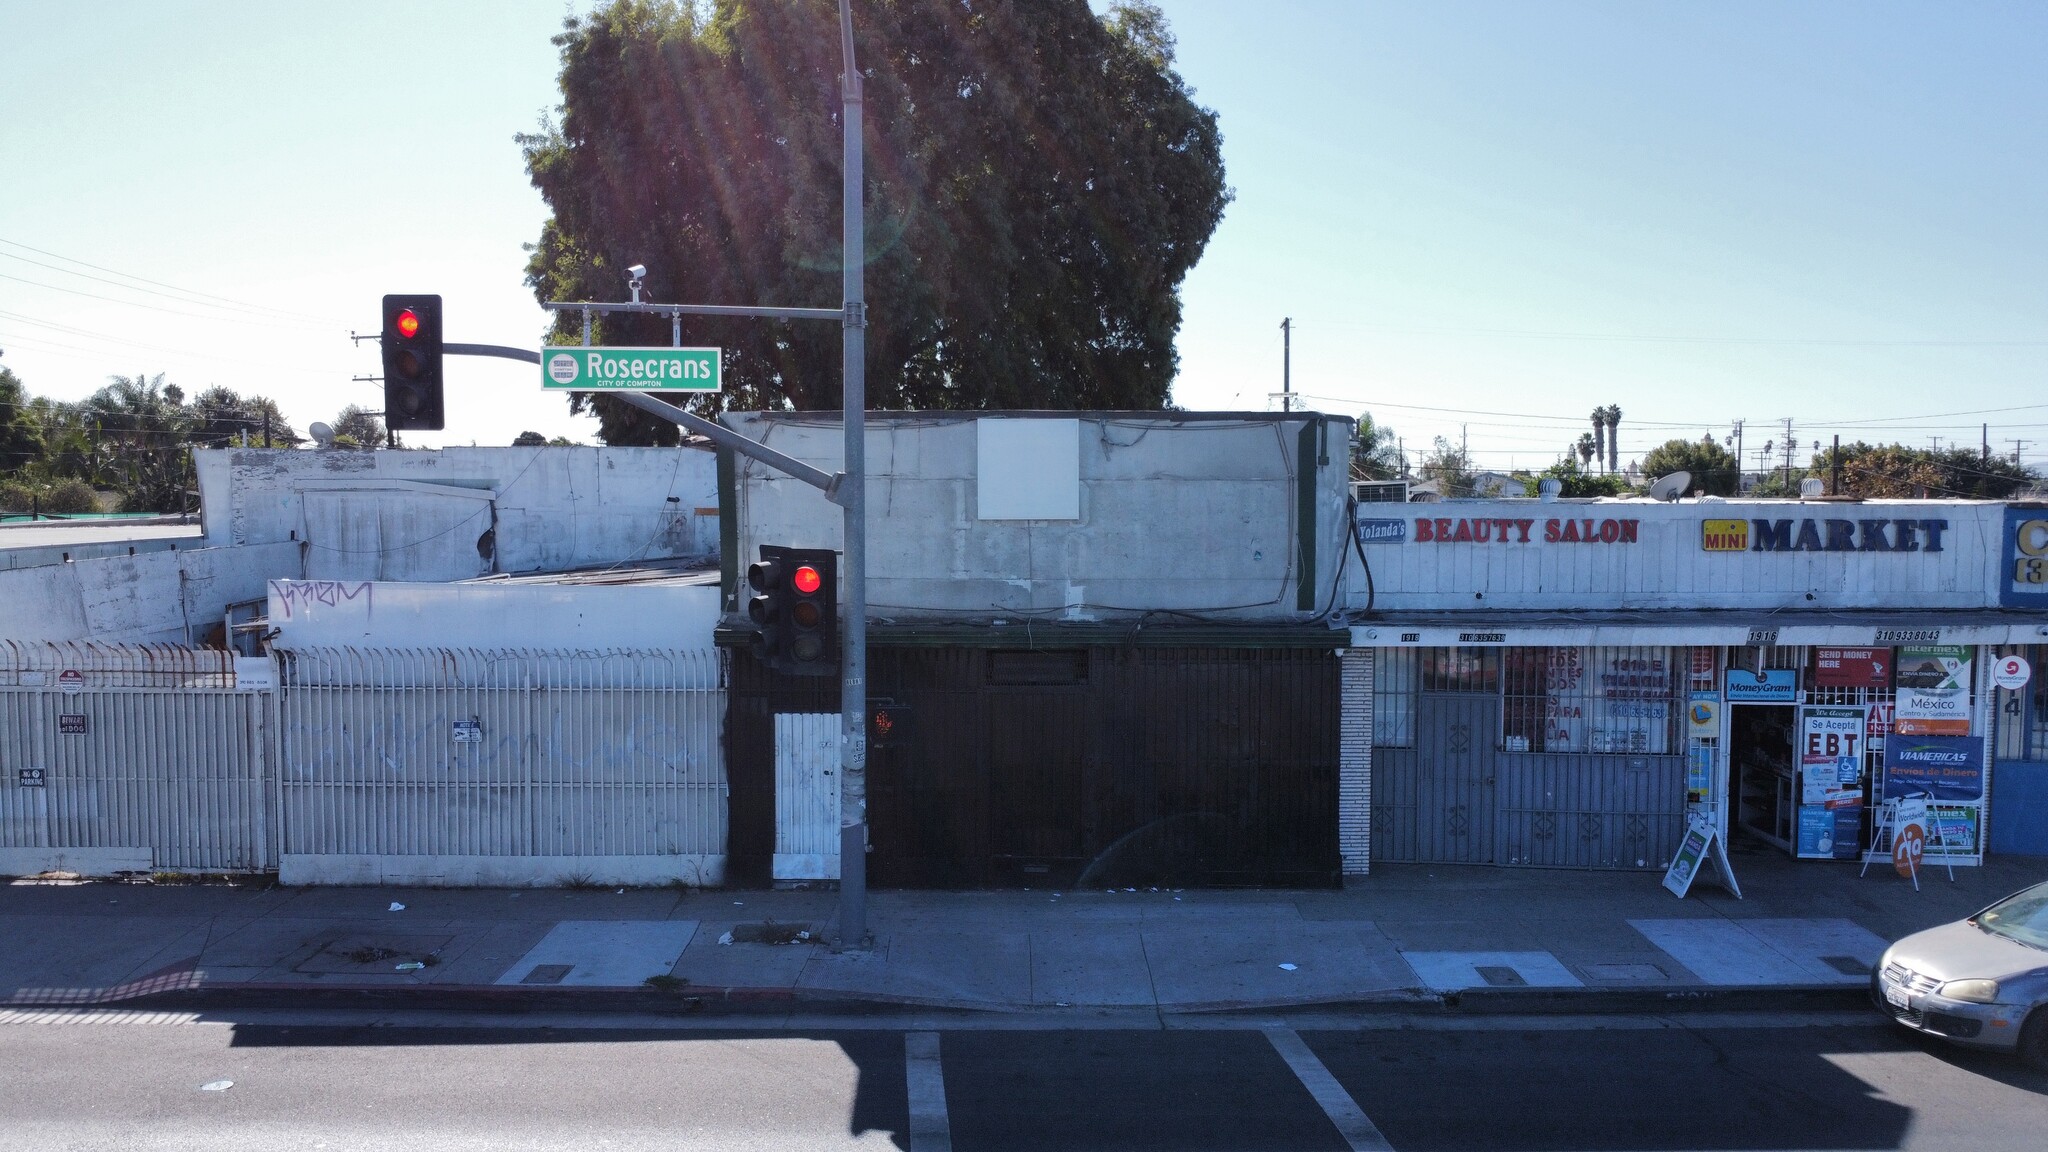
507,766
132,758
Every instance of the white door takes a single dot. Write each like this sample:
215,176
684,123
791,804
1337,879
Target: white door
807,795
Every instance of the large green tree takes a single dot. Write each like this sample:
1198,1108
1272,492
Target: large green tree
1039,180
1894,470
1713,468
21,434
1376,453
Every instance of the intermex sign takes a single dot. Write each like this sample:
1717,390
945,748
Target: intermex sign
1890,534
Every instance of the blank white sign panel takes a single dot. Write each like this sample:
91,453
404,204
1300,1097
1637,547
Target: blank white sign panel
1027,469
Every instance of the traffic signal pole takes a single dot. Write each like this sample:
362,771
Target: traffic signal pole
848,488
853,679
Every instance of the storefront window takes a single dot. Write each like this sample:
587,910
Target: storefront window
2033,698
1395,678
1461,669
1590,700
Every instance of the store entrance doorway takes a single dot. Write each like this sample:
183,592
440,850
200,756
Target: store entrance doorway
1763,774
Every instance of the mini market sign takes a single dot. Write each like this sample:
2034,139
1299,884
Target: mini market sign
634,369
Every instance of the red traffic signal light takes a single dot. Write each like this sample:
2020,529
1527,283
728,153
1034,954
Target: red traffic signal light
796,609
411,341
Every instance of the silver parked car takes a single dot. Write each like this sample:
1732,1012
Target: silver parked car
1981,981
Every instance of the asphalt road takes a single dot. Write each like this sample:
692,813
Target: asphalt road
82,1080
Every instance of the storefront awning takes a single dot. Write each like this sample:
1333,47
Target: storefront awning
1714,629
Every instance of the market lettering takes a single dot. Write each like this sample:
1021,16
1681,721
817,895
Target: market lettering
1829,535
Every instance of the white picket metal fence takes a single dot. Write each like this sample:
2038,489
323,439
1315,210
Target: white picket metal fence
465,766
133,758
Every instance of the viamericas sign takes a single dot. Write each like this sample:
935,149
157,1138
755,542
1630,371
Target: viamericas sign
637,369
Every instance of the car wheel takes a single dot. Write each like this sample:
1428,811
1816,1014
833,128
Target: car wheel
2034,1039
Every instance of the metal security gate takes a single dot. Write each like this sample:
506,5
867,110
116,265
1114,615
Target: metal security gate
1106,765
807,796
462,766
133,758
1434,803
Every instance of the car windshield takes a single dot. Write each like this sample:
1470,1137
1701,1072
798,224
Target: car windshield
2022,917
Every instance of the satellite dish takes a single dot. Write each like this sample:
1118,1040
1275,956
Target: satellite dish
1811,488
1670,488
322,433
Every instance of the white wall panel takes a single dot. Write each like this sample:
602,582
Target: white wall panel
406,764
149,758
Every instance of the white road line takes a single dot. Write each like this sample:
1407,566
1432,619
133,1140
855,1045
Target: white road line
1351,1121
929,1129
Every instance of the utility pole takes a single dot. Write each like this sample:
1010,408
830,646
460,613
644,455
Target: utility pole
1985,454
2016,446
1287,364
1790,444
1835,486
1739,431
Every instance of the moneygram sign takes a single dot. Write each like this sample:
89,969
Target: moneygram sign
634,369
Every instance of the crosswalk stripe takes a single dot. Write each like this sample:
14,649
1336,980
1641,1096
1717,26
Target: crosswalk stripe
1352,1123
929,1129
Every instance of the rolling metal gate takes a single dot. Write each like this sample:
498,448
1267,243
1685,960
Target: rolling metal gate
132,758
1455,798
1094,766
449,766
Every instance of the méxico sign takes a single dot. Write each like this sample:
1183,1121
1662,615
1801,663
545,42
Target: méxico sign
636,369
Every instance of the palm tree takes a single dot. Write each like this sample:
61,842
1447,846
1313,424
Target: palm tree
1599,435
1586,449
1614,437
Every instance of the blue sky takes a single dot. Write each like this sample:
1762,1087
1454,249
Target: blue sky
1483,218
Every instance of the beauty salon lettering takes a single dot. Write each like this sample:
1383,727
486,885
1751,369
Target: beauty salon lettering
1508,530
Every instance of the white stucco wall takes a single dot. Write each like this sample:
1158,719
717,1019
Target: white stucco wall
1195,514
581,617
151,597
423,515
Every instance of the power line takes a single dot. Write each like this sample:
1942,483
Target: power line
147,280
134,303
260,316
1622,337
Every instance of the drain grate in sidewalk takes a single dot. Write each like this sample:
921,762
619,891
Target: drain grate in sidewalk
546,974
1500,976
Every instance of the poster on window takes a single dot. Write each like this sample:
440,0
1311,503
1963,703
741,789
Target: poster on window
1832,739
1933,697
1944,767
1611,700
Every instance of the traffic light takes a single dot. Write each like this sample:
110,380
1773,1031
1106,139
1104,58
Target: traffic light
796,606
412,363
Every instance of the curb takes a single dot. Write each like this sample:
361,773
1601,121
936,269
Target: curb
691,1000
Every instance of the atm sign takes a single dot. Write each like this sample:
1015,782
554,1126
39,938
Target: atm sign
1724,535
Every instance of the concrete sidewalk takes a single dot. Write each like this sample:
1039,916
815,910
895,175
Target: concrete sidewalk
1406,936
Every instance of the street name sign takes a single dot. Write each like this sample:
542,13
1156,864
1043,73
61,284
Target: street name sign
637,369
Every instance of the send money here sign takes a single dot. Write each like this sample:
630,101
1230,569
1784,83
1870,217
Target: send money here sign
638,369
